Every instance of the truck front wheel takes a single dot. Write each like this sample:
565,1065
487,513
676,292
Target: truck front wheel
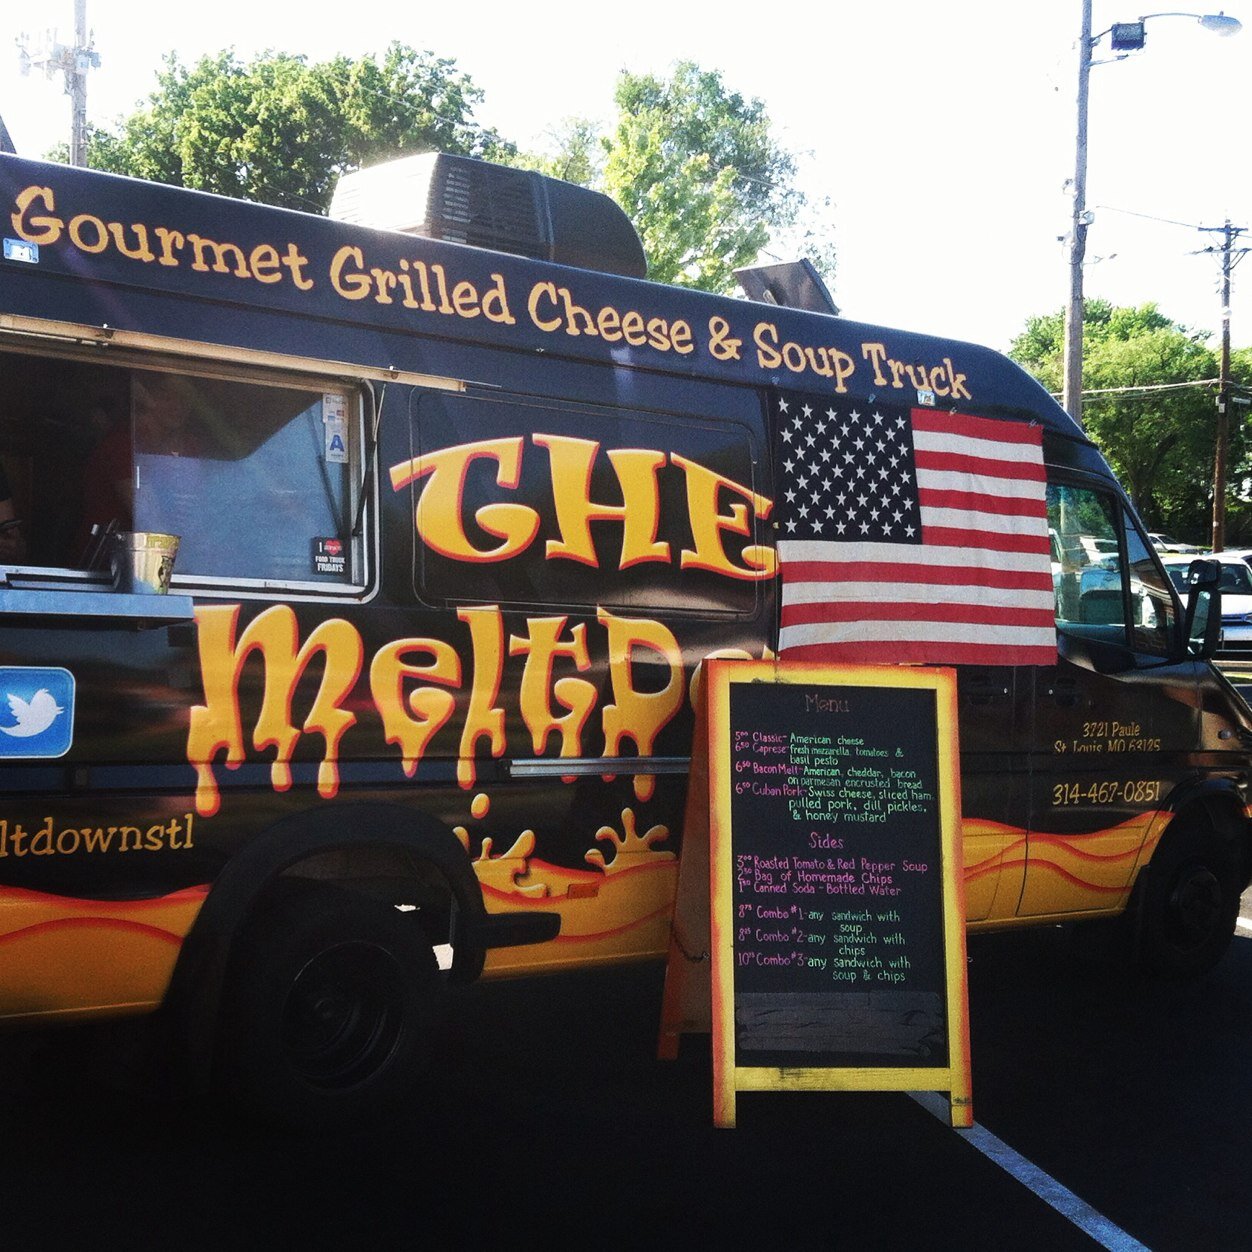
331,1011
1190,901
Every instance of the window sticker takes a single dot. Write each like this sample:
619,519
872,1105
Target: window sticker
330,556
36,711
335,420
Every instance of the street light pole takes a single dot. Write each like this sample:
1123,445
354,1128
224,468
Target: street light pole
1071,396
1126,37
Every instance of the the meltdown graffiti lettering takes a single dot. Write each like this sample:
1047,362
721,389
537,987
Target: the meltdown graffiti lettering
411,721
417,684
441,524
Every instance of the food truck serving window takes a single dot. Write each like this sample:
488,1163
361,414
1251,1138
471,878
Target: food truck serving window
257,477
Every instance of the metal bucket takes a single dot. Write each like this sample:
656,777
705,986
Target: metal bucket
142,562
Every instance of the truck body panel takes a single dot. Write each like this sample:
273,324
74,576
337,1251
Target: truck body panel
456,531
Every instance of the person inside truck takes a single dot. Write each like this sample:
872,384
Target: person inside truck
164,405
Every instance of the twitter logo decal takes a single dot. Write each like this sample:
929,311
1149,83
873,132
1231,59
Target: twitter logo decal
36,711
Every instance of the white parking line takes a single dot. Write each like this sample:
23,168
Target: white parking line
1051,1192
1243,923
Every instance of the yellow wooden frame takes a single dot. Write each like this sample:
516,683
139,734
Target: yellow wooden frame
728,1076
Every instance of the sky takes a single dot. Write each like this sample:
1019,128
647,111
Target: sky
943,133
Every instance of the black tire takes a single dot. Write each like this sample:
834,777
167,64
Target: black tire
330,1014
1190,901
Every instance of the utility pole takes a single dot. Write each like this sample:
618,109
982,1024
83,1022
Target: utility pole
1222,444
76,86
73,62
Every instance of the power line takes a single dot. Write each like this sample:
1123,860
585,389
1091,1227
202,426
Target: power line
1147,388
1149,217
1151,388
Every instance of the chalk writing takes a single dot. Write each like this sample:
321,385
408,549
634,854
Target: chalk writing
836,872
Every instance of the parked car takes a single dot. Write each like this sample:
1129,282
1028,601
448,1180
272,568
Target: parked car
1167,543
1236,597
1236,554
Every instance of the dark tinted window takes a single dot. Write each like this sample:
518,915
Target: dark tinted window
522,503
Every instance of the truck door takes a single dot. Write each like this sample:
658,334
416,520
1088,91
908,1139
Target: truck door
1113,719
994,727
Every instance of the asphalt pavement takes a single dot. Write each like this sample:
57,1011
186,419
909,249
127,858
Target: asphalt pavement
550,1124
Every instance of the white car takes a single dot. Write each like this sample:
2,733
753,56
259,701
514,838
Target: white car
1236,587
1235,554
1167,543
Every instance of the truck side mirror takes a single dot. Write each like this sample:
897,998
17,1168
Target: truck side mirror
1204,608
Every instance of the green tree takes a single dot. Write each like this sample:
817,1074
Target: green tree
1148,403
576,154
692,163
697,170
281,130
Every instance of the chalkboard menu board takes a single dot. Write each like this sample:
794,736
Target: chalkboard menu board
838,937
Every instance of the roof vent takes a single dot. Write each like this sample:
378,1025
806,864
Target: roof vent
792,284
463,200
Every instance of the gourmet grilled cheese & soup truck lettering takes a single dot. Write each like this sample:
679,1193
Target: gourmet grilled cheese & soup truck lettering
459,514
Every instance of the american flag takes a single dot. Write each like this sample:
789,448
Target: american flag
911,535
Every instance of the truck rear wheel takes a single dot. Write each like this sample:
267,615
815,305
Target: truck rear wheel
1190,901
331,1011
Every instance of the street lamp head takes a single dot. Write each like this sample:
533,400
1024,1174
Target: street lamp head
1220,24
1131,36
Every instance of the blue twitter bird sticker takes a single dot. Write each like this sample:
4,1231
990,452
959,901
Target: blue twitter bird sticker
36,711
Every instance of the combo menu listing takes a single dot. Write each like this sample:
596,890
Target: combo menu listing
837,901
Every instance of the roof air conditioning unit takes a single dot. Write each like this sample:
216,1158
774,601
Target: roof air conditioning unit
463,200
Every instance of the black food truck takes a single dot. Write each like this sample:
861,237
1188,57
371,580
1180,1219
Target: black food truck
352,618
